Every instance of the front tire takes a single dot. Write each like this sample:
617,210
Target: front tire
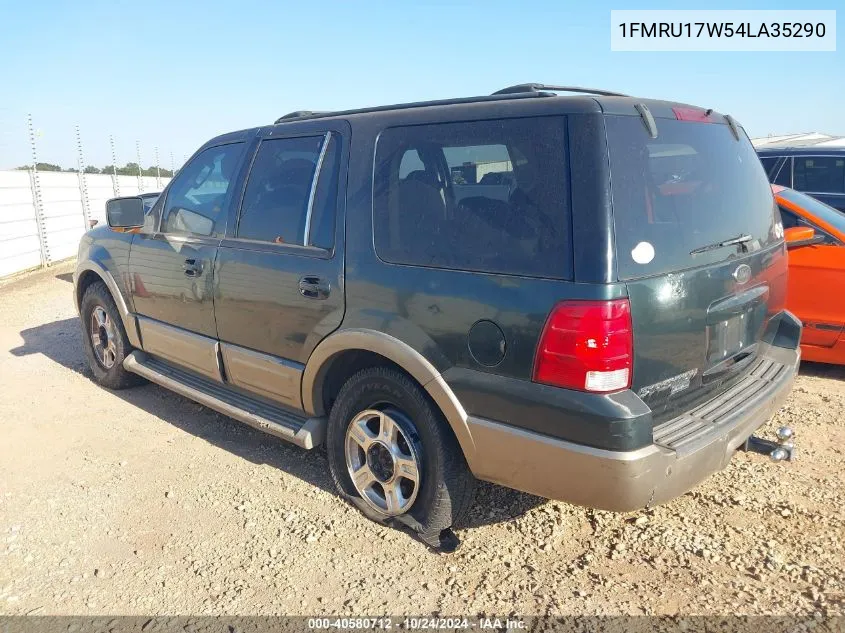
104,339
393,456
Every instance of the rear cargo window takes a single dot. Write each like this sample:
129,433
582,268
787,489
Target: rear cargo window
692,187
488,196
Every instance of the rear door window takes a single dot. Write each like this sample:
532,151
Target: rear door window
820,174
693,186
489,196
275,203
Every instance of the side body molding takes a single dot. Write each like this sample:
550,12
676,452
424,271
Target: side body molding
129,322
400,353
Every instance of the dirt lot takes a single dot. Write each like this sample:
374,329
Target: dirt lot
143,502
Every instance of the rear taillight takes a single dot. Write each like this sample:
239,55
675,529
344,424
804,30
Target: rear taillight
586,345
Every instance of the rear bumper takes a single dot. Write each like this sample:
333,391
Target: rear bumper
685,451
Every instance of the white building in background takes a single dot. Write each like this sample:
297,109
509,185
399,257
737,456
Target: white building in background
816,139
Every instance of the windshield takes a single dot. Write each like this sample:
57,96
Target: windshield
693,186
815,207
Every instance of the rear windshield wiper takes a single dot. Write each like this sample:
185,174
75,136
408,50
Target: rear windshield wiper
739,239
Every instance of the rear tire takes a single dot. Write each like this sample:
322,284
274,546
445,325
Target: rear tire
407,463
104,339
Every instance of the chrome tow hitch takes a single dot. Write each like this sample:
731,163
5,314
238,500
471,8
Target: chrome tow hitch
782,450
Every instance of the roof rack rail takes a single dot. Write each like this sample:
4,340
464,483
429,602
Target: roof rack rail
299,114
306,114
549,88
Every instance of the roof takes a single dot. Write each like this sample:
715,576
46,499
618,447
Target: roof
541,96
806,150
816,140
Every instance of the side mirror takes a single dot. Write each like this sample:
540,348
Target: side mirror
125,213
801,236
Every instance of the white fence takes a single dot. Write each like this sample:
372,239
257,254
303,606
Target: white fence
43,215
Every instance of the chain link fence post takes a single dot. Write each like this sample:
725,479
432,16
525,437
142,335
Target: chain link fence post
140,171
158,171
36,198
83,184
115,183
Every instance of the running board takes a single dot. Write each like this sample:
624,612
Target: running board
304,432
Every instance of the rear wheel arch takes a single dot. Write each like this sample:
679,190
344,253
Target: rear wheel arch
344,353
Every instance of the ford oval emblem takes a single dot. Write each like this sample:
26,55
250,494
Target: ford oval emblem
742,274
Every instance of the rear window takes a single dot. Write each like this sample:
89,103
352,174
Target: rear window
693,186
487,196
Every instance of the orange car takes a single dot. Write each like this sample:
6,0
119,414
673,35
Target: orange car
815,237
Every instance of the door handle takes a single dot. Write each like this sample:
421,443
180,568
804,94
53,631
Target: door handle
314,287
192,268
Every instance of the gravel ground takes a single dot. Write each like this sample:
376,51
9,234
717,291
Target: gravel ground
143,502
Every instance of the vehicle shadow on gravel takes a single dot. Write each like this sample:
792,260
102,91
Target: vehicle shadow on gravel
822,370
61,342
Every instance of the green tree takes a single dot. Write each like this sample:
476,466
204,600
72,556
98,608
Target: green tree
130,169
41,167
90,169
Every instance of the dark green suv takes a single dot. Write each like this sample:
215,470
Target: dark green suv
576,296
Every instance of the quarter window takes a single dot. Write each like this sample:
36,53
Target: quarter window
197,200
487,196
820,174
784,175
769,165
275,204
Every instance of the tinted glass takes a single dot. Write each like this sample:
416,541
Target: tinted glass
325,198
276,198
769,164
198,197
693,186
789,219
149,201
820,174
815,207
485,196
784,173
152,217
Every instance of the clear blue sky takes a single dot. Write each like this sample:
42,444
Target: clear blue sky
173,74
